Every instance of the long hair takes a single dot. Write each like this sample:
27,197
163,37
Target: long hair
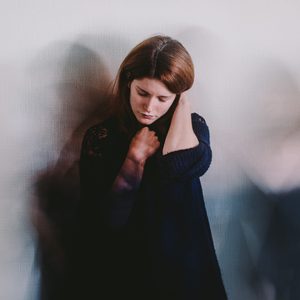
158,57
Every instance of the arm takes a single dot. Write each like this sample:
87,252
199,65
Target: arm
185,159
180,135
185,229
108,181
143,145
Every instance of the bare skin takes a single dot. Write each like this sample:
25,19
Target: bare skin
181,135
143,145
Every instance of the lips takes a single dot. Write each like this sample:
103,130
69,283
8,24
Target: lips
147,116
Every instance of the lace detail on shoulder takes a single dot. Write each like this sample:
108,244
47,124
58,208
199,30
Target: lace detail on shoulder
93,140
200,128
197,118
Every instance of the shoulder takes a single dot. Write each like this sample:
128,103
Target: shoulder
200,128
102,129
196,118
97,136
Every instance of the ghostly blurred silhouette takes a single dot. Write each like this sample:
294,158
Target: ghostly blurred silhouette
261,243
82,90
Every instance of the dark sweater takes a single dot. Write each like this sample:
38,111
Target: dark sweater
150,243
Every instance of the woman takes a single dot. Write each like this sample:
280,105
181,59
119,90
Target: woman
143,231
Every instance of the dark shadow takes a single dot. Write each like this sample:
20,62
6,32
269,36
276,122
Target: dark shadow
83,86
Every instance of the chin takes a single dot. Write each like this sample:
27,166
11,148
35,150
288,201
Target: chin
146,122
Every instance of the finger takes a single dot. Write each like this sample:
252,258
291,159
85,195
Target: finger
144,129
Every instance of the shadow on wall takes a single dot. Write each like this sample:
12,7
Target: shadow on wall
279,262
79,83
277,170
260,251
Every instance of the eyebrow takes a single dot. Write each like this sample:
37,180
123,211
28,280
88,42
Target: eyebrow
161,96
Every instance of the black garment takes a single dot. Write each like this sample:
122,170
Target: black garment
152,243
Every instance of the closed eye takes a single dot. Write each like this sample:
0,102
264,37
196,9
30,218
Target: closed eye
163,99
143,94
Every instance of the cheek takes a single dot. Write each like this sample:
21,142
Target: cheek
163,109
132,100
167,107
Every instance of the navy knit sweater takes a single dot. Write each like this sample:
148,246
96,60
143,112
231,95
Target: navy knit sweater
150,243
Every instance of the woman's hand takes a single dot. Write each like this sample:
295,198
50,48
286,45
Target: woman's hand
143,145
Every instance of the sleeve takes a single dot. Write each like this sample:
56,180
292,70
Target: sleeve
98,170
95,241
188,163
95,182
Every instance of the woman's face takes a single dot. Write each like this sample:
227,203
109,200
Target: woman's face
149,99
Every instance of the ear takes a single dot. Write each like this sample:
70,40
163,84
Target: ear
129,84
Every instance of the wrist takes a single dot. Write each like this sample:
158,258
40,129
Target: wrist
135,159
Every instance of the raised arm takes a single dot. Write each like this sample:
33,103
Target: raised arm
111,172
180,135
186,152
143,145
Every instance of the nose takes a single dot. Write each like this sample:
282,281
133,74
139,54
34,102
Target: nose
148,106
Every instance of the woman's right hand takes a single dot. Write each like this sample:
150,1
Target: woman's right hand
143,145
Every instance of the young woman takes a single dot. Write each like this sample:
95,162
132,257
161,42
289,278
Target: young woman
143,231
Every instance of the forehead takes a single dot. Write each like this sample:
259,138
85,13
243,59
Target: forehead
152,86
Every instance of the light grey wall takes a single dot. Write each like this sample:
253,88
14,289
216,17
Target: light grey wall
246,56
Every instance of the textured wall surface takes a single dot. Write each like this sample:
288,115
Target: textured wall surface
58,57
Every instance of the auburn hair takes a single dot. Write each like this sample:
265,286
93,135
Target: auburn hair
158,57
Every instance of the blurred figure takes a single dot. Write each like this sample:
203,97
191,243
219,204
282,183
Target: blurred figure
279,261
264,220
83,98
